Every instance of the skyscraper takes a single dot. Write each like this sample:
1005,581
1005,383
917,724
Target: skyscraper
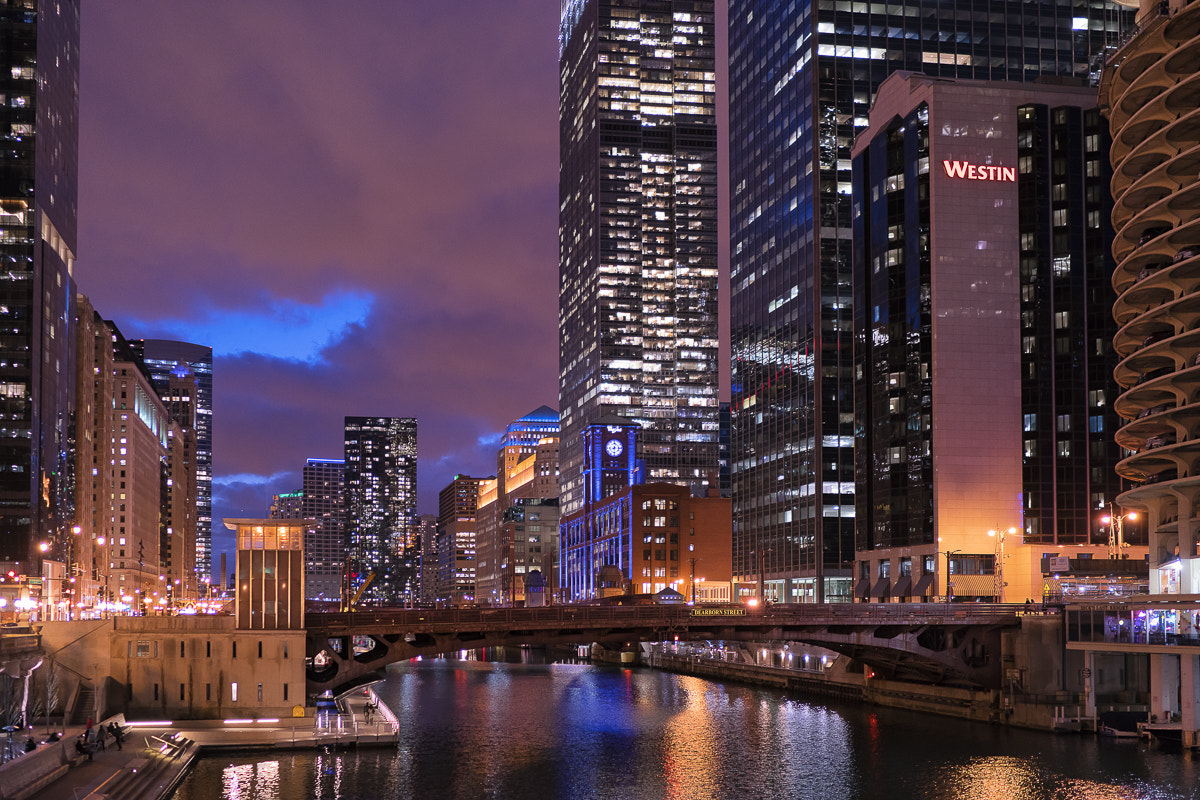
323,500
165,358
39,81
457,502
381,498
801,81
516,512
981,297
638,325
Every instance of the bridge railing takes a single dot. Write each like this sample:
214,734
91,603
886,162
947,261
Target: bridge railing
808,613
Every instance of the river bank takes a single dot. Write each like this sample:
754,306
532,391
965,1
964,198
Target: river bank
1057,713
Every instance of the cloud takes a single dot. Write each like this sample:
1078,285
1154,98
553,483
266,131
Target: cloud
278,328
358,211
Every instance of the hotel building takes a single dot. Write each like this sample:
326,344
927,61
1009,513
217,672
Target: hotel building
802,77
982,341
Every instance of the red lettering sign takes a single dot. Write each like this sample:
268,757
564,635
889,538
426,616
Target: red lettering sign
979,172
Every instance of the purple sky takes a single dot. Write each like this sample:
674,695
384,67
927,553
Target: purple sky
355,204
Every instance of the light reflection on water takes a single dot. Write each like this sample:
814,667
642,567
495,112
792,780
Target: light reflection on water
471,729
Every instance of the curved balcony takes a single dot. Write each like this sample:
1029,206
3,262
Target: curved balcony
1153,396
1151,90
1155,282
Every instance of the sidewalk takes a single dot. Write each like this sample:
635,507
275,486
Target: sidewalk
92,776
109,770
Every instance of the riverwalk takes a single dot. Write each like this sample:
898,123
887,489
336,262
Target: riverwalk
157,754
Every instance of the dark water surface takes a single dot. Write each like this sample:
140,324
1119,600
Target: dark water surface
472,729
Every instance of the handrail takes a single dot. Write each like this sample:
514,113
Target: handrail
843,613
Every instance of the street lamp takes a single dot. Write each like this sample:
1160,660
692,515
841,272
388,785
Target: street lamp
999,534
1116,531
72,560
107,601
949,584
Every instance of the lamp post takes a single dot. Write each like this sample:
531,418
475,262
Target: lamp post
73,587
949,584
999,533
46,603
1116,530
105,600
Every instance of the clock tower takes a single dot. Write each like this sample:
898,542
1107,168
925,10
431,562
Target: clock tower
610,457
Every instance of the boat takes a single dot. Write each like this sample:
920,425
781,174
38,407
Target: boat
1117,733
1120,724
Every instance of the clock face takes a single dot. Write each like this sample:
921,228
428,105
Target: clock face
614,447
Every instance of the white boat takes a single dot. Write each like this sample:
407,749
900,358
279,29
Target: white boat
1116,733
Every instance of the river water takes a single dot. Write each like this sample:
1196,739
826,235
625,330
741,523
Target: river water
482,729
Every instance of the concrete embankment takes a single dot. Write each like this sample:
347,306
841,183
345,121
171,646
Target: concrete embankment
980,705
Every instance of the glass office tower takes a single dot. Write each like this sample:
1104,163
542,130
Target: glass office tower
39,122
801,80
164,357
638,233
325,546
380,491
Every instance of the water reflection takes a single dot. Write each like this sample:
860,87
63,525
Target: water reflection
478,728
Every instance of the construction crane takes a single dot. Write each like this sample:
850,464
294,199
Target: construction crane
358,594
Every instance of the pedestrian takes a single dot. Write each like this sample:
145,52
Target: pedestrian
100,738
118,737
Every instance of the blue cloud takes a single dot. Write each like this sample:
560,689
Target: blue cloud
283,329
250,479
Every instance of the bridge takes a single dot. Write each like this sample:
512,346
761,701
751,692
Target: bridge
923,642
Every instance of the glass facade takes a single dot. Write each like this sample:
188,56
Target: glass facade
325,546
801,80
1069,456
893,387
638,233
39,123
163,357
381,498
457,504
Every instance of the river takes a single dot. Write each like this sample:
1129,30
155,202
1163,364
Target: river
484,729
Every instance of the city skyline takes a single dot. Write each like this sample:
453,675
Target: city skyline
355,262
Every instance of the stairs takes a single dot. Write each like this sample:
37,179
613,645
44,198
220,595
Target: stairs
85,704
157,773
